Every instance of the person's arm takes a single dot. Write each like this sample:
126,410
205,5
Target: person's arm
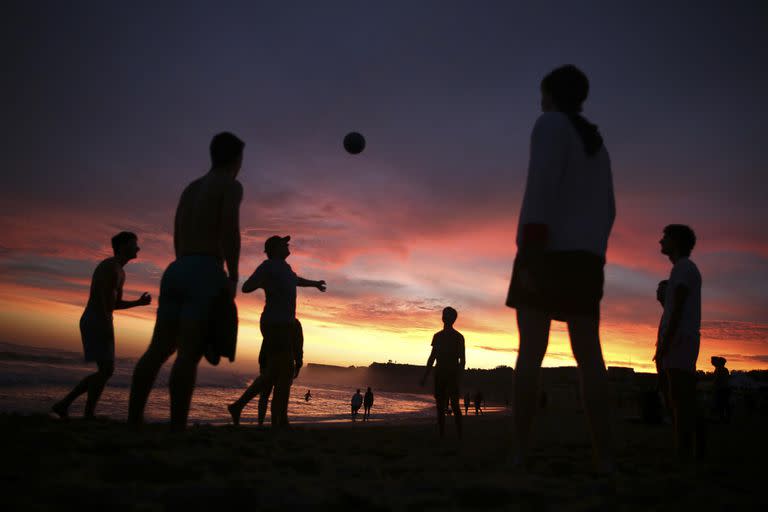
256,280
462,354
145,299
430,362
307,283
230,215
106,283
679,295
545,168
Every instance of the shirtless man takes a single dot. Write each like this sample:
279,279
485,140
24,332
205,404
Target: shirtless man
96,327
206,234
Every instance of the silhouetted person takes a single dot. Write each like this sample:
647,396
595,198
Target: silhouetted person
282,349
478,403
678,346
206,235
448,352
467,400
722,388
356,402
308,395
96,328
367,404
565,220
267,385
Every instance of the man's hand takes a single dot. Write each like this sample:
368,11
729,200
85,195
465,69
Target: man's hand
145,299
320,285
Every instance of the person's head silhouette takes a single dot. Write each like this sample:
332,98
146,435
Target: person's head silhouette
449,316
125,246
227,153
678,241
276,247
564,89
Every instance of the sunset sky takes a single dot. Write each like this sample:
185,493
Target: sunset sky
109,108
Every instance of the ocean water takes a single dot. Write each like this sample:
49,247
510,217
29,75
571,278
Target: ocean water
33,379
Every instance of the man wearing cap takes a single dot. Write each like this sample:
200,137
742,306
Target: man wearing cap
281,351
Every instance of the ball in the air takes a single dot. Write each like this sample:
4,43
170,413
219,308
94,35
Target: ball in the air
354,143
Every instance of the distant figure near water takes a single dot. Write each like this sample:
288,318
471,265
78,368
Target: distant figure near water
96,328
357,401
282,351
308,396
478,403
367,404
448,352
565,220
206,235
678,347
467,400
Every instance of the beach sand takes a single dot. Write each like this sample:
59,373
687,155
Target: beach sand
50,464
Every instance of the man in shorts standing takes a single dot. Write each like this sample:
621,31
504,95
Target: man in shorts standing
96,329
206,235
678,347
448,351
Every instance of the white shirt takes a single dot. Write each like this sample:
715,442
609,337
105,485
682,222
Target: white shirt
684,347
279,283
567,190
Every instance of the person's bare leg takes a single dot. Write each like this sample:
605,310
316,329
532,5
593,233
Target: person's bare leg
533,327
683,390
184,372
61,408
282,383
264,402
96,386
584,332
457,414
236,407
161,347
441,402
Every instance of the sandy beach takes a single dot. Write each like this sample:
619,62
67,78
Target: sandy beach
50,463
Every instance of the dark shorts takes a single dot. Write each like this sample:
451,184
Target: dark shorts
98,336
565,283
446,384
189,288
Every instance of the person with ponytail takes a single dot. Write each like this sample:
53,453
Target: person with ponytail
564,224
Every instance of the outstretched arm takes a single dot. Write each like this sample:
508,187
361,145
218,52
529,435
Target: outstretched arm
308,283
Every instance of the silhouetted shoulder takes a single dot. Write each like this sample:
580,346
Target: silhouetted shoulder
551,124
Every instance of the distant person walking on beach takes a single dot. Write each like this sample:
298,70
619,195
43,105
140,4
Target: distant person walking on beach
448,352
467,400
282,348
678,347
367,404
566,217
96,328
206,235
722,388
357,401
308,396
478,403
